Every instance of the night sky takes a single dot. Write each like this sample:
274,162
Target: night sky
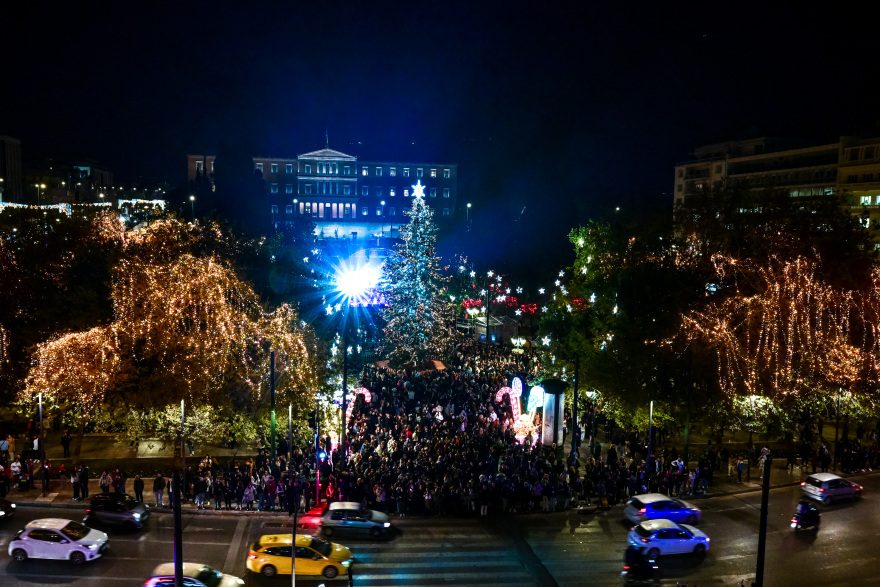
566,109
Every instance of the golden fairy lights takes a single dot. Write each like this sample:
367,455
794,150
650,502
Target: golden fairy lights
785,332
188,320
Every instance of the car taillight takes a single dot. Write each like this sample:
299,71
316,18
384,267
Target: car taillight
803,483
644,539
89,510
642,511
822,490
252,556
625,567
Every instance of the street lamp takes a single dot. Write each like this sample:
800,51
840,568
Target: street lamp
468,214
353,284
40,186
192,203
295,207
382,230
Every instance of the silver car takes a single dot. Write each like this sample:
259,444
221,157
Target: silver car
349,516
828,487
662,537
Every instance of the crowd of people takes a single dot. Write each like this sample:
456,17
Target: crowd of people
438,442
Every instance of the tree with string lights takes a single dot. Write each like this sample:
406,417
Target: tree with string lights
184,326
419,316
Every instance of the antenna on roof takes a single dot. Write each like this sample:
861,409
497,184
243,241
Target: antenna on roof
326,138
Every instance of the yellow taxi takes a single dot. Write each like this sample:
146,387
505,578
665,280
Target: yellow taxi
270,555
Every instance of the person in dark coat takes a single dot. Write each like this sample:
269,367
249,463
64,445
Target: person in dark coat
138,488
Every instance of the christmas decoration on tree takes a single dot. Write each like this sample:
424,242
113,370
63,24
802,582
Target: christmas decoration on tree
419,316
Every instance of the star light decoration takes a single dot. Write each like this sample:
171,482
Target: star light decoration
418,190
519,290
545,341
541,291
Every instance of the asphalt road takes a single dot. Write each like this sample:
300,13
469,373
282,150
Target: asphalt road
557,549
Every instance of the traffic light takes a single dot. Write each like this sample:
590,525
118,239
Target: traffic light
322,456
313,420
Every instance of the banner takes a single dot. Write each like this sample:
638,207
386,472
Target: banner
551,401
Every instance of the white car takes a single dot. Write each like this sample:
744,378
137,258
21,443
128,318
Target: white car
660,537
828,487
348,516
194,575
57,538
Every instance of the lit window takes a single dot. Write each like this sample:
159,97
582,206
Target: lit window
274,209
433,192
446,211
364,211
274,168
866,200
308,170
378,172
445,174
274,188
199,166
289,209
378,211
364,171
259,167
419,172
865,222
445,192
406,193
392,192
365,191
433,173
288,168
392,171
392,212
406,172
288,188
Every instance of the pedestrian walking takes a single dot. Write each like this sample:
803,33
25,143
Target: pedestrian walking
740,467
74,480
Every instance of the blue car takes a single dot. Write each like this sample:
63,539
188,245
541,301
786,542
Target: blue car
656,506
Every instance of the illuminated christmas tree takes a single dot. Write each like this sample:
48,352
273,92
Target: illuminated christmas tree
419,316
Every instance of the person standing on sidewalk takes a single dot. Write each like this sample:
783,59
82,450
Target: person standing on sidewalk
138,488
159,489
65,443
104,483
74,480
740,467
84,481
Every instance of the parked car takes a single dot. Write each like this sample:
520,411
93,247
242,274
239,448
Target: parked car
828,487
57,538
7,508
194,575
350,517
117,509
661,537
270,556
656,506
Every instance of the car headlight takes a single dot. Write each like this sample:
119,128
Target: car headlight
346,563
2,513
93,547
387,524
240,581
13,506
137,516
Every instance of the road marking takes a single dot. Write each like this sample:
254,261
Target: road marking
49,498
235,552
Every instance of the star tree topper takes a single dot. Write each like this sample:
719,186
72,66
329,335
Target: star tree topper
418,190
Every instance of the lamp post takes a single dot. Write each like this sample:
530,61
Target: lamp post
352,284
382,230
295,207
40,187
467,211
192,205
